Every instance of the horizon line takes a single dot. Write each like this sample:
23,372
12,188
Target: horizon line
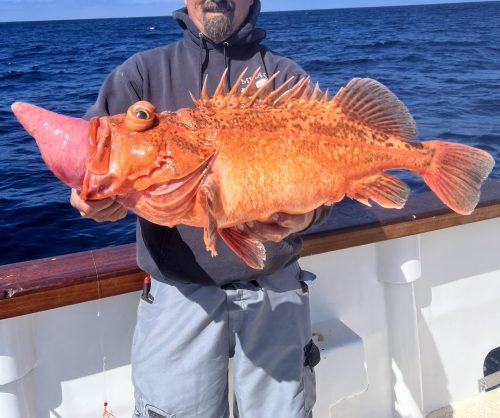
262,12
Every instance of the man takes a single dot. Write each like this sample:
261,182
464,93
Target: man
207,309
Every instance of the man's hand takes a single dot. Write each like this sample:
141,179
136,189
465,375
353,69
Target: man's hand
279,226
98,210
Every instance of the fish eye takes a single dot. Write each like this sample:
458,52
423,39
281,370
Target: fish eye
140,116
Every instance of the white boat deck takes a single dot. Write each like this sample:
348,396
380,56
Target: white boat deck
403,325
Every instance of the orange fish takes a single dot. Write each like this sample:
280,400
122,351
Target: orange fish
240,156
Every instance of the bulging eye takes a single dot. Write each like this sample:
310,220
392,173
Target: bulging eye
140,116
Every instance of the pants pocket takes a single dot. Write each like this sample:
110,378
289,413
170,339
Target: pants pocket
143,409
153,412
312,357
309,382
305,277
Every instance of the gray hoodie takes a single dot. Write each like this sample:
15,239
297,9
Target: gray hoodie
164,76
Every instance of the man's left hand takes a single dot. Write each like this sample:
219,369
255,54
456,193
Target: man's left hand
279,226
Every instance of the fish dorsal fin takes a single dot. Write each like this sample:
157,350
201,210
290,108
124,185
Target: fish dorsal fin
257,95
374,104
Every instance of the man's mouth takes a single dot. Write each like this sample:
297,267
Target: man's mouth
215,8
218,11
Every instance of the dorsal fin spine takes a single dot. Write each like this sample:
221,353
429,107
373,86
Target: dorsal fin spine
304,90
270,80
195,101
246,90
253,98
290,94
326,97
220,86
237,83
277,92
307,92
204,94
316,92
261,90
282,96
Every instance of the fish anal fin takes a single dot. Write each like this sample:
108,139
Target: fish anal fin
251,250
375,105
386,190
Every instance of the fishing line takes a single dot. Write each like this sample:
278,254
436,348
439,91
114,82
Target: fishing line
101,339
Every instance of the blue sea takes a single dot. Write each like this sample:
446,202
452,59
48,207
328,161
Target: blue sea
443,61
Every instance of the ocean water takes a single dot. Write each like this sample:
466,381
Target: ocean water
443,61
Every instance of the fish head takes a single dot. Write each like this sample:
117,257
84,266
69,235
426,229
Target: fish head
119,154
142,149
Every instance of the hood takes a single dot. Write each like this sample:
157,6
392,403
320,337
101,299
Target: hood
247,34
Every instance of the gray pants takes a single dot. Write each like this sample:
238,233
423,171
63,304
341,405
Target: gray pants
184,339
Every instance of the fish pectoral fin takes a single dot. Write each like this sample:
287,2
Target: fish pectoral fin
251,250
208,196
375,105
386,190
165,203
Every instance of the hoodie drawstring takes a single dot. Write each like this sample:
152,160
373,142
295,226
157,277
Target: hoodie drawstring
226,65
203,45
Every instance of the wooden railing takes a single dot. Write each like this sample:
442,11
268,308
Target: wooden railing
38,285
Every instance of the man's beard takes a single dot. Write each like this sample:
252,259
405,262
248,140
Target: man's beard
218,28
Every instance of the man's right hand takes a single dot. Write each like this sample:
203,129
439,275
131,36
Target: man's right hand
99,210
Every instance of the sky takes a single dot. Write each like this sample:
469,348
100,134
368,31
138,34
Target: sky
17,10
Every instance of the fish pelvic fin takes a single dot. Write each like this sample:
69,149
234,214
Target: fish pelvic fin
386,190
251,250
456,174
376,106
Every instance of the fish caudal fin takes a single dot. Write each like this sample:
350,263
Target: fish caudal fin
252,251
456,174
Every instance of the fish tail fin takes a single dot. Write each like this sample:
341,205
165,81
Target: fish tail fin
456,173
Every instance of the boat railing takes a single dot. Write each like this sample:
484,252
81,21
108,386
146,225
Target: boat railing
38,285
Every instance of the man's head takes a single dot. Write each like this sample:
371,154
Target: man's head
218,19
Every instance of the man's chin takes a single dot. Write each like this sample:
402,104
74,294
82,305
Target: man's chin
218,27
